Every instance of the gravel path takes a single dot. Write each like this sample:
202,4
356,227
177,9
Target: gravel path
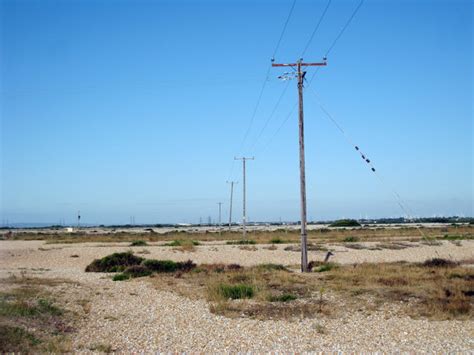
133,316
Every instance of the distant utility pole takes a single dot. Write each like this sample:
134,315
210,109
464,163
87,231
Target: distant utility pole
300,75
231,196
220,209
78,219
244,159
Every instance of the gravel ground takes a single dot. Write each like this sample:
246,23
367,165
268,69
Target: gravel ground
134,316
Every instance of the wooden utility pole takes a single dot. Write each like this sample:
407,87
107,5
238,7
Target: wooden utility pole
220,208
244,159
231,197
300,76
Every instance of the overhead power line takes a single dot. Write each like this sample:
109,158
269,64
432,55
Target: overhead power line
330,48
338,37
254,112
316,29
285,88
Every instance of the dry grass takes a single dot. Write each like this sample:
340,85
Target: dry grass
339,235
428,291
435,292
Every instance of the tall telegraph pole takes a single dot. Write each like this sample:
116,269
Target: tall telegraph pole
244,159
300,76
231,197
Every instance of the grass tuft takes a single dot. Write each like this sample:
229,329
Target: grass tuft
286,297
234,292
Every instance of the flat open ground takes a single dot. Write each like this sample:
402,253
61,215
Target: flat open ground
166,313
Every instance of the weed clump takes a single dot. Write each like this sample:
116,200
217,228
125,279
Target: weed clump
115,262
350,239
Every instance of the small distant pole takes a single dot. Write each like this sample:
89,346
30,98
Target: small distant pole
231,197
78,219
220,209
244,159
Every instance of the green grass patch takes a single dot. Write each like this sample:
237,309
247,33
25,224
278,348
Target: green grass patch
234,292
350,239
325,267
271,267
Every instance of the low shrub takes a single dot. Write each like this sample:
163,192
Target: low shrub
345,223
277,240
439,262
114,262
160,265
139,243
351,239
241,242
137,271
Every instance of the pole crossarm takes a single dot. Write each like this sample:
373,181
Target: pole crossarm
322,64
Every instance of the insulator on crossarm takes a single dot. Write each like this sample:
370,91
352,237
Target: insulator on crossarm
356,147
363,156
373,169
367,160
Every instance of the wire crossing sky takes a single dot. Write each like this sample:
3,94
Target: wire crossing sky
137,108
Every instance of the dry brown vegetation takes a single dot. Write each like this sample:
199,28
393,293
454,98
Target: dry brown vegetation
435,291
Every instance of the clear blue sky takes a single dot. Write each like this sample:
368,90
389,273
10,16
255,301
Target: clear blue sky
120,108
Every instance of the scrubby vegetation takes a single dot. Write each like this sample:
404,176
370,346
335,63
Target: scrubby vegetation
345,223
30,319
133,266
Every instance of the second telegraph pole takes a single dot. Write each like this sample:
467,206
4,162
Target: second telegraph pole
244,218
